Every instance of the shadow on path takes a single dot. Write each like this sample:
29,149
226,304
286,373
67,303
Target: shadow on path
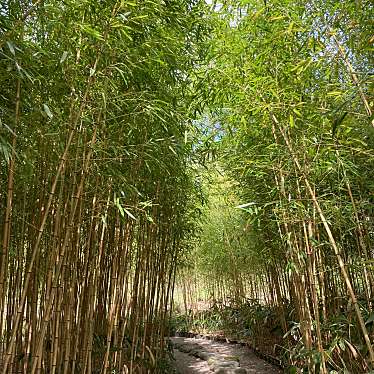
188,349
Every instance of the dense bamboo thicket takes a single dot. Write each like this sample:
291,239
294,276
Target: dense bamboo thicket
123,124
294,126
94,107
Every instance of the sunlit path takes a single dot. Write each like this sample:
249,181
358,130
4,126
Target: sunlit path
187,363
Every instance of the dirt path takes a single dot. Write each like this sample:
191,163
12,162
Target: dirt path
187,362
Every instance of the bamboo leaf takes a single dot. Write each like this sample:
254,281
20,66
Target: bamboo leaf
63,57
245,205
47,111
11,48
129,214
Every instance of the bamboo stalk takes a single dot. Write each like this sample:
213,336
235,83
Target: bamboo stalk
8,214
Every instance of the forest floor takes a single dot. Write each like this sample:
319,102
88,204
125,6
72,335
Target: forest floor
212,353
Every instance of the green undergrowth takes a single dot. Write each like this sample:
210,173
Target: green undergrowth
259,326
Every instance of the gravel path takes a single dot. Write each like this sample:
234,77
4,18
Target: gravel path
188,363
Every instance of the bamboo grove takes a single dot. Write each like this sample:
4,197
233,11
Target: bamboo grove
287,241
94,106
225,147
